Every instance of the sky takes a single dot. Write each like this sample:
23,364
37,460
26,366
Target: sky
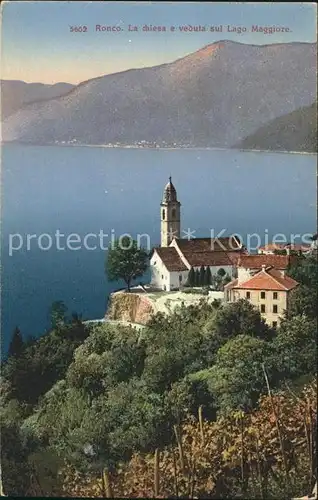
38,43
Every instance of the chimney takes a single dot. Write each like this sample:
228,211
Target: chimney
263,267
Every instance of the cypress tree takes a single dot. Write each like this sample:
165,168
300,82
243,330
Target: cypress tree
208,276
16,345
191,277
197,277
202,276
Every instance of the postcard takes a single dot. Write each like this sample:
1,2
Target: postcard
158,249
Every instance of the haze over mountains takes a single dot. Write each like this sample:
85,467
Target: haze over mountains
15,94
215,97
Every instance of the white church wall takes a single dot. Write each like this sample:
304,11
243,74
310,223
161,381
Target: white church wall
243,274
177,279
159,273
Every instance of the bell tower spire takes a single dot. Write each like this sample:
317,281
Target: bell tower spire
170,215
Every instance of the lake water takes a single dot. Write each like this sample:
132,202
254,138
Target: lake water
86,190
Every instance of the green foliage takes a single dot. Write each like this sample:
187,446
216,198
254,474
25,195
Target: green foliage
208,276
197,278
202,276
94,394
304,299
236,379
221,272
16,345
295,348
305,271
191,278
43,362
106,359
126,261
241,318
58,315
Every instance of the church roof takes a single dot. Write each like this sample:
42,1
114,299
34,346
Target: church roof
169,193
171,259
210,251
197,259
266,279
226,244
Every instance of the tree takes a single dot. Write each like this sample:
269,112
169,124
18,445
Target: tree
126,261
237,379
16,345
202,276
191,277
221,272
217,282
57,314
197,277
241,318
227,279
295,347
305,271
208,276
303,300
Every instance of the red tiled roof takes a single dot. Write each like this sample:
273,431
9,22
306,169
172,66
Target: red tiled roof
196,259
273,246
228,244
259,260
270,279
171,259
285,281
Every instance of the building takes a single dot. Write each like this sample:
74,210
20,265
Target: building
269,289
170,215
171,262
248,265
272,248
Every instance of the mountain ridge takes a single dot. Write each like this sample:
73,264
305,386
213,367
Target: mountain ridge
203,99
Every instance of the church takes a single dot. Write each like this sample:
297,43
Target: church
171,262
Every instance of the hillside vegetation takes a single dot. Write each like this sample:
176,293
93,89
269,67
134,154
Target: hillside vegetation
296,131
91,398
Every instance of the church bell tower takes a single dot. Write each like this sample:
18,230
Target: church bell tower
170,215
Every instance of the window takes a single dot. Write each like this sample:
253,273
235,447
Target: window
275,295
163,214
162,276
263,295
274,324
248,295
173,212
275,309
263,309
180,277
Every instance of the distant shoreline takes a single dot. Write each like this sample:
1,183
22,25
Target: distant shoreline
159,148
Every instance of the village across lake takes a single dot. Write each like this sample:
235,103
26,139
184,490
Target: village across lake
85,190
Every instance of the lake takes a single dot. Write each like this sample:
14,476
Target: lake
83,190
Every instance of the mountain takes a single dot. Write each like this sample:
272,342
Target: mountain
214,97
296,131
15,94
